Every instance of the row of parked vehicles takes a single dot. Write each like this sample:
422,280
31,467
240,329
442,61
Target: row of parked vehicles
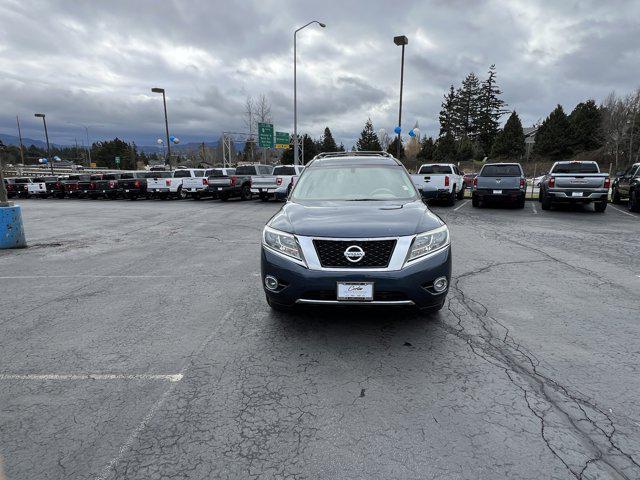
264,181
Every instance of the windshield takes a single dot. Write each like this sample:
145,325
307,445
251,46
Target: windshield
500,171
354,183
434,169
284,171
576,167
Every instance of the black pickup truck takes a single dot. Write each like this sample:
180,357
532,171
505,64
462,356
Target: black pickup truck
133,185
107,186
627,185
21,186
72,187
88,187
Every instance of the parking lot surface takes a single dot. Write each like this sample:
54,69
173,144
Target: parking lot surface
137,344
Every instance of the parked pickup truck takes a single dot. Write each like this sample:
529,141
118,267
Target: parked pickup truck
107,186
21,186
499,182
37,188
627,185
54,186
239,185
72,185
279,184
575,182
440,181
10,186
133,185
88,186
198,187
169,184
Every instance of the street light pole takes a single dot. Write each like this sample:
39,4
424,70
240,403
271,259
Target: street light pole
46,134
166,123
400,40
4,200
296,147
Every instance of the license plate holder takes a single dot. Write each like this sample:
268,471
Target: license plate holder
576,194
355,291
497,192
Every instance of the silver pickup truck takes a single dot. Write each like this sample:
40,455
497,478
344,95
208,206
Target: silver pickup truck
503,182
575,182
279,184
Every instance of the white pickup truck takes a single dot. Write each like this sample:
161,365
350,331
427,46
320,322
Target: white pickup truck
37,188
169,184
198,187
440,181
279,184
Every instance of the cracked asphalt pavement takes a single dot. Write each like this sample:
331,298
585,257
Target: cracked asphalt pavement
136,344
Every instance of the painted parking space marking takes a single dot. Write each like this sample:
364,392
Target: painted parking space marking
622,211
176,377
460,206
31,277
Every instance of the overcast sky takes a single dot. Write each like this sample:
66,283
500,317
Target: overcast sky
93,63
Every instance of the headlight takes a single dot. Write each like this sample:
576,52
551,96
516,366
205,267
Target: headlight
281,242
428,242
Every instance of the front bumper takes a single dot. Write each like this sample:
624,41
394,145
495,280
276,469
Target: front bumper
570,195
408,286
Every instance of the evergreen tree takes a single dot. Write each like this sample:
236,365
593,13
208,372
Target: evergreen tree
341,147
553,138
368,140
287,155
585,127
310,148
445,149
464,150
393,148
466,107
104,154
328,144
491,108
427,150
447,118
510,141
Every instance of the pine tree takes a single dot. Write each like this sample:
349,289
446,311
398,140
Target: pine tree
393,148
328,144
510,141
553,138
445,149
464,150
491,108
341,147
466,107
585,127
427,150
368,140
447,114
310,148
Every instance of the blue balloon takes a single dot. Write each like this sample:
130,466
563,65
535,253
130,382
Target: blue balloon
397,129
412,133
172,138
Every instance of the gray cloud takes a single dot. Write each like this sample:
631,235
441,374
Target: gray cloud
95,62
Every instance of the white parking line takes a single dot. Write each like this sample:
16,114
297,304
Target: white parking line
91,376
533,205
622,211
460,206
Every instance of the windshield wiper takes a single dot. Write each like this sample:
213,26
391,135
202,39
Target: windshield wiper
366,200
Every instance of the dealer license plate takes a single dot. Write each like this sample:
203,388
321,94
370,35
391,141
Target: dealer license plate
576,194
497,192
357,291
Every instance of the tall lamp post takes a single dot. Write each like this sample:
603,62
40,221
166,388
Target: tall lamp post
4,201
400,40
296,148
166,123
46,134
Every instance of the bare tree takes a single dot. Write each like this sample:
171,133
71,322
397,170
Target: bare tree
263,109
614,124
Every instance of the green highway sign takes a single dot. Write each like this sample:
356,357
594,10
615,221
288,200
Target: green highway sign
117,160
282,140
265,135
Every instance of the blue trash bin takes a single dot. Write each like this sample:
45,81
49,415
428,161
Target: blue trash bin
11,229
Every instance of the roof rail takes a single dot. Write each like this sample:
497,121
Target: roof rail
354,154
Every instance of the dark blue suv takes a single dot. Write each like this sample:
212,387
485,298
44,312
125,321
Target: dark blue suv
355,231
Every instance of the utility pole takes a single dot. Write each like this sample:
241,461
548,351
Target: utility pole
20,137
46,134
400,40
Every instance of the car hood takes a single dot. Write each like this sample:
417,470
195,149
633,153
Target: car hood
355,219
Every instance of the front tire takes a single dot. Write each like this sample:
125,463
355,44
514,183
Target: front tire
615,197
461,193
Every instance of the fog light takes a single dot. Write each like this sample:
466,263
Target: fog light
440,284
271,282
